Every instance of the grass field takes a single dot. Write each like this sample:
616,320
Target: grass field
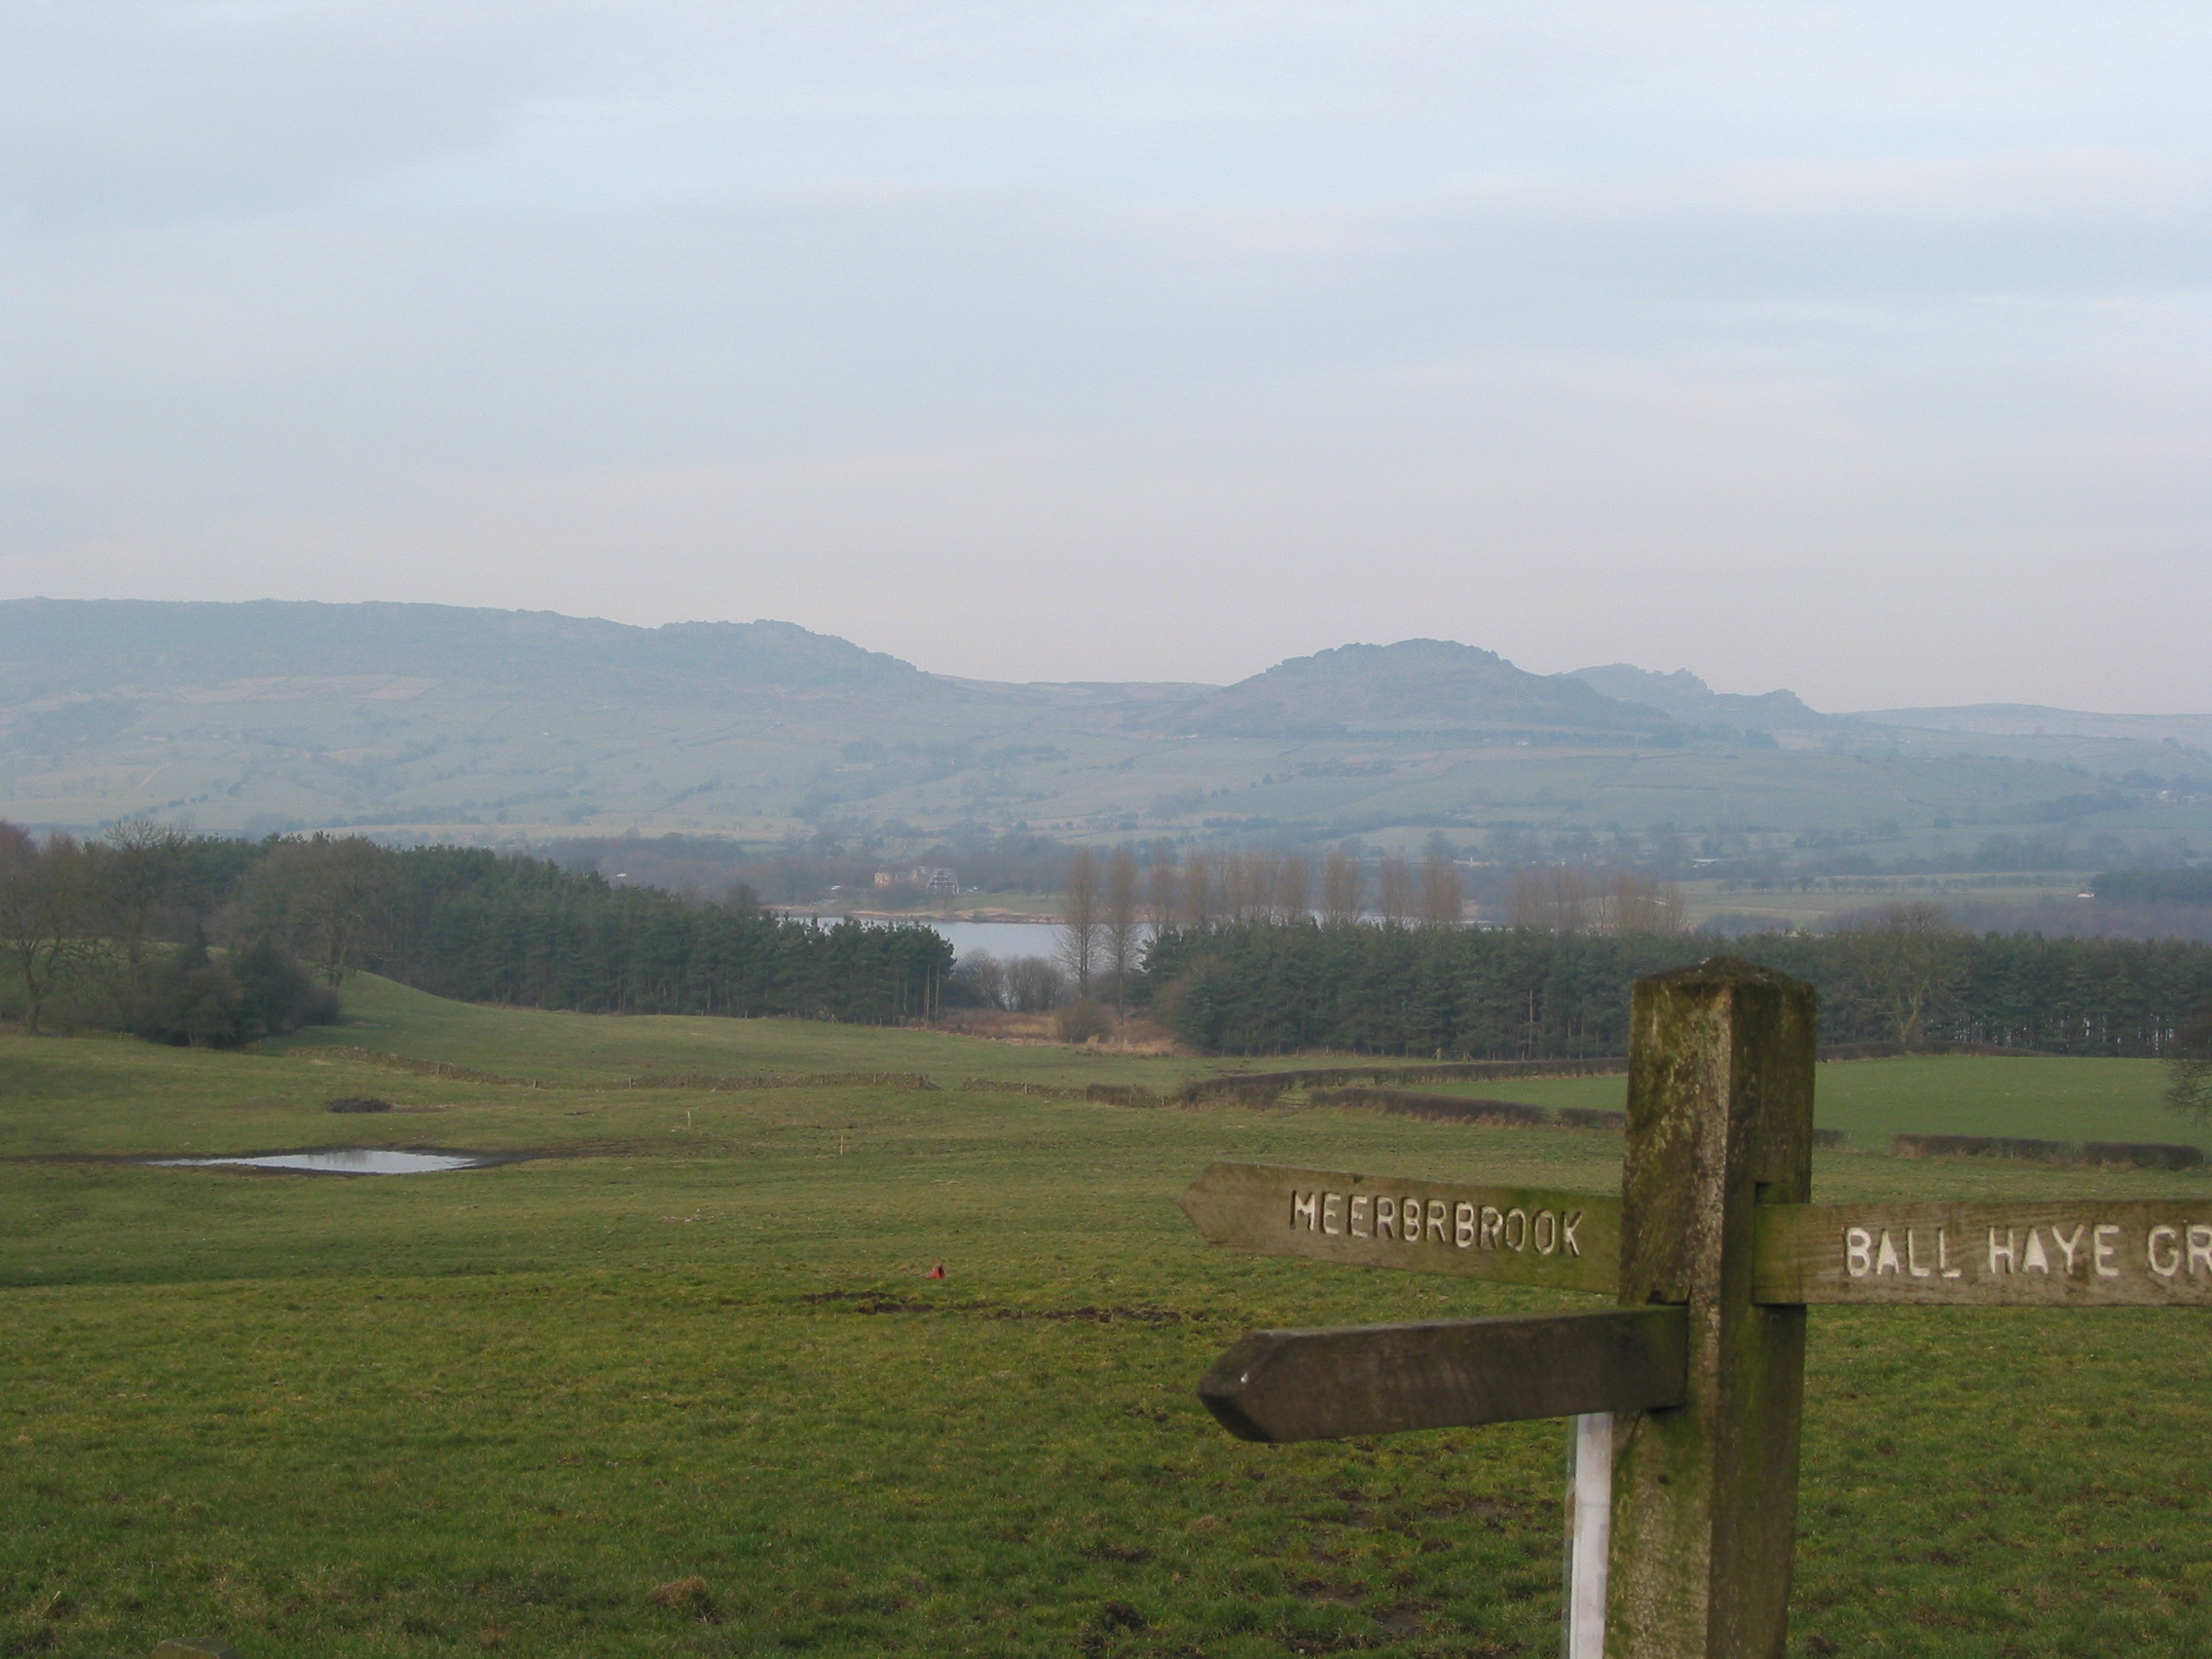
1811,902
573,1048
2044,1099
489,1412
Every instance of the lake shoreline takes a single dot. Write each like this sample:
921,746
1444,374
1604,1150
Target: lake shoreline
927,917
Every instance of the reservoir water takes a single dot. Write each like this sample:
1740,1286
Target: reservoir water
1003,939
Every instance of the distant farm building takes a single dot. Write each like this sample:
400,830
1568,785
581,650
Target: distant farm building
931,881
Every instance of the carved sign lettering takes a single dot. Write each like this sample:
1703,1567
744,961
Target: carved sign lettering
1517,1235
2140,1252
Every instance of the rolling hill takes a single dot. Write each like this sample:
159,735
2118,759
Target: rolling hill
518,727
1432,688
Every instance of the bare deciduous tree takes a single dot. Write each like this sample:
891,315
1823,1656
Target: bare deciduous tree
42,913
1293,888
1340,887
1442,899
1570,899
1163,889
1902,959
1260,886
1636,906
1196,899
324,897
1120,929
1080,918
137,865
981,976
1241,886
1034,985
1395,884
1555,898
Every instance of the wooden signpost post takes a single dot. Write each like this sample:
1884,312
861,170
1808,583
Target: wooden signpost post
1686,1395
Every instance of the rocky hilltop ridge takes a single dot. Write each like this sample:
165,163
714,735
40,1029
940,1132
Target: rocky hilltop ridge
1429,686
1689,699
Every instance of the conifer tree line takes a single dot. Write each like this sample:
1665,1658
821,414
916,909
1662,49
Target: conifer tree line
1258,987
1261,952
216,940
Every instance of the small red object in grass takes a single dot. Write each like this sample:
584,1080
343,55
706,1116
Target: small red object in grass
937,1270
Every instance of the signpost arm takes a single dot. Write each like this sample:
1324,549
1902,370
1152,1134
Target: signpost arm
1719,1121
1284,1385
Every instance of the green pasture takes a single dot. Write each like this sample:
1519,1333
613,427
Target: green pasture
580,1048
492,1411
1808,904
2046,1097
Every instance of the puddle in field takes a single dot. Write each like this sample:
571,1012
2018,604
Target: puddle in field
342,1160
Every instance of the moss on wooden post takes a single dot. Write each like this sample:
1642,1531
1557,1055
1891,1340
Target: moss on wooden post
1719,1120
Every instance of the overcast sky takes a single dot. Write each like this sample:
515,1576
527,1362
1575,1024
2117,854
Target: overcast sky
1859,349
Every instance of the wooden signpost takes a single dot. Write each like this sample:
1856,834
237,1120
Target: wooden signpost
1686,1396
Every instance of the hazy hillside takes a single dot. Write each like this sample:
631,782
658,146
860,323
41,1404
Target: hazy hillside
1429,686
118,647
2033,719
429,720
1689,699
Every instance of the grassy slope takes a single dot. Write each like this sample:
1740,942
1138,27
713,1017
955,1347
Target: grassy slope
2045,1097
386,1016
487,1412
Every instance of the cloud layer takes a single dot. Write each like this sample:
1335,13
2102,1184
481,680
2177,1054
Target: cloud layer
1859,351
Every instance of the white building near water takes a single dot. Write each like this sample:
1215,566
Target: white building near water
930,880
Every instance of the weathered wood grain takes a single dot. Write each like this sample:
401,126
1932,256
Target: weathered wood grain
2068,1253
2134,1253
1285,1385
1695,1383
1514,1234
1719,1122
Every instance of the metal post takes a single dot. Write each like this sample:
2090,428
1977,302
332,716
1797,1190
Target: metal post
1589,1536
